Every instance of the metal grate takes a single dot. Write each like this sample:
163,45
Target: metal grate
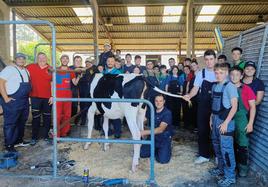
254,43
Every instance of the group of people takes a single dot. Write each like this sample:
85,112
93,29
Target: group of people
228,96
224,100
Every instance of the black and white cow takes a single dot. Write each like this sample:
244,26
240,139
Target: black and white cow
120,86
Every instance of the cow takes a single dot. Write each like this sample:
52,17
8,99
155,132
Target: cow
120,86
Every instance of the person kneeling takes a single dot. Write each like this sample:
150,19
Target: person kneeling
163,132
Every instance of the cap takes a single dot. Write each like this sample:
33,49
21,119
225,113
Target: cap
20,55
250,63
64,55
107,44
89,60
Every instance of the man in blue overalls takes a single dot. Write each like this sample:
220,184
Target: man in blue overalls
15,88
163,133
202,88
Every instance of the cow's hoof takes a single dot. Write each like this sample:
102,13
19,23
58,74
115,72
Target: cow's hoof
86,146
134,168
106,146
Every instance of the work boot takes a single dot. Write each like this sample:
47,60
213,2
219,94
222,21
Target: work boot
242,170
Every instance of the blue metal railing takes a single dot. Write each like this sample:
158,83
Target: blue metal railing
151,179
63,44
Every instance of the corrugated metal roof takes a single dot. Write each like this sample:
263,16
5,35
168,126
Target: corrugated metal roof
231,19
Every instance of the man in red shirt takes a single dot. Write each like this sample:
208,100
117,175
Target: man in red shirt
63,85
41,99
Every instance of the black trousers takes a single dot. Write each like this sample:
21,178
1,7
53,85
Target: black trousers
40,107
75,105
203,116
174,105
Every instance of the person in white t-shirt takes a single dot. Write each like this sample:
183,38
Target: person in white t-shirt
202,88
15,88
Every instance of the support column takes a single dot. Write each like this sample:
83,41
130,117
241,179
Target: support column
4,34
189,28
14,28
95,10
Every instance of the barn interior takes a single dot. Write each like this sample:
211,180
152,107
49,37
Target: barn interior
156,30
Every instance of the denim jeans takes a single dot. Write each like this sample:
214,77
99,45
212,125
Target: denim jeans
223,145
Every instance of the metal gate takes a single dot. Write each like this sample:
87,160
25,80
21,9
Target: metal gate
254,43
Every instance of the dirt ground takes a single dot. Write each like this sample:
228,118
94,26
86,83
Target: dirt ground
114,163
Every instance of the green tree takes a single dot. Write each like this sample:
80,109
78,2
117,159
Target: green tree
28,49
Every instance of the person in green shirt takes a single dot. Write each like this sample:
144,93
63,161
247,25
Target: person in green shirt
236,55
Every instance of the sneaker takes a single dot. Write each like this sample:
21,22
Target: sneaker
49,141
11,149
225,182
201,160
33,142
22,144
215,172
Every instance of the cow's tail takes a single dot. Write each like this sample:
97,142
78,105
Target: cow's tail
159,90
166,93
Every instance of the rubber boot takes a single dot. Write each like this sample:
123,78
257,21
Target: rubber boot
243,170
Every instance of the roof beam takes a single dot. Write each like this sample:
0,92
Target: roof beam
108,3
159,24
153,16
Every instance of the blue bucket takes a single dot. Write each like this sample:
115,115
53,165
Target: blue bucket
8,160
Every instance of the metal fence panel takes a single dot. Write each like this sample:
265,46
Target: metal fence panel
230,43
254,43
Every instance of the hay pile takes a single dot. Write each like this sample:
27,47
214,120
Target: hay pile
116,163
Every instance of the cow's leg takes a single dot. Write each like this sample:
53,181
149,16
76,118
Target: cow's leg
140,118
131,117
106,129
90,122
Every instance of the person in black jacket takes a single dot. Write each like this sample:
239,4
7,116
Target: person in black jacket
104,56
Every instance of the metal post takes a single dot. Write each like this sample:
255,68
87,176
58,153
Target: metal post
14,33
189,27
193,31
262,50
95,10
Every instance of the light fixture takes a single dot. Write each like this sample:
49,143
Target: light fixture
208,13
83,11
205,18
136,14
171,19
172,14
137,19
172,10
108,22
136,11
210,9
260,20
84,15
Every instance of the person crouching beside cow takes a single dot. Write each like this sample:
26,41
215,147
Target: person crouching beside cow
15,88
163,133
112,70
64,77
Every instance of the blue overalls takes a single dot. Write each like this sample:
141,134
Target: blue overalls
150,93
203,115
174,104
16,113
222,143
162,143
